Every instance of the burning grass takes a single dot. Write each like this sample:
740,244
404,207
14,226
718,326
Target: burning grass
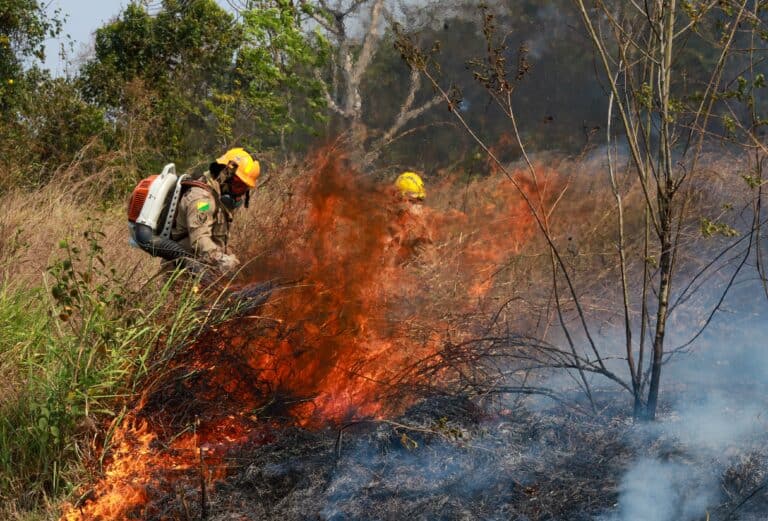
340,340
446,458
372,313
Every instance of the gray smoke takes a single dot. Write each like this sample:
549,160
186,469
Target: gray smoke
714,418
658,491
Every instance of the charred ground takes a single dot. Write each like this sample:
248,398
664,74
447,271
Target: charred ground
445,458
369,389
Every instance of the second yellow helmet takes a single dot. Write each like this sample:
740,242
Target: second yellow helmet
411,185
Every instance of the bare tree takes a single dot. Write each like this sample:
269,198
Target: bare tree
355,31
640,52
638,49
355,28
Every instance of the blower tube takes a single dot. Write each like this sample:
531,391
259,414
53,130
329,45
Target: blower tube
158,246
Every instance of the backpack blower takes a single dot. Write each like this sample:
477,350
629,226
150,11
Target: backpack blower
152,211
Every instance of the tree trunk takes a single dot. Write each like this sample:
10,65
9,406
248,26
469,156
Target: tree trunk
665,278
358,135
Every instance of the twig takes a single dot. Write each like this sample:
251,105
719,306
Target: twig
747,498
338,444
203,496
184,505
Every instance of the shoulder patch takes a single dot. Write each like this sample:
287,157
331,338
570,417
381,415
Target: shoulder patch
203,206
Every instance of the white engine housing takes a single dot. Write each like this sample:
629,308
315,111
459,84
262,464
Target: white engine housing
158,192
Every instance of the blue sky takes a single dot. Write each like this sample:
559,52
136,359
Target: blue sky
83,18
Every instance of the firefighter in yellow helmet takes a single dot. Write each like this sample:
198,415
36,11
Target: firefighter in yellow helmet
410,186
207,208
409,229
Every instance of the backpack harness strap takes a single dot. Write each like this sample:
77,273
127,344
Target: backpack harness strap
199,184
181,185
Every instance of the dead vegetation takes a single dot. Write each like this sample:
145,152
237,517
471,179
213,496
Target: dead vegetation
445,458
475,445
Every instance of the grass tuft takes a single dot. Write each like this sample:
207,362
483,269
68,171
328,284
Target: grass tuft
73,351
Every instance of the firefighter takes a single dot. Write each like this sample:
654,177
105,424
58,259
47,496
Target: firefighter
409,231
206,209
410,188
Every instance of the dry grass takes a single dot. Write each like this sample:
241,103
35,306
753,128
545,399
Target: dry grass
447,459
32,225
485,253
486,250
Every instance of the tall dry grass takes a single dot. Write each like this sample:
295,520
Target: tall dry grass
32,224
486,260
80,326
485,249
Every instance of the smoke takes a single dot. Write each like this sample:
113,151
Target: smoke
437,470
692,449
717,423
658,491
714,419
700,441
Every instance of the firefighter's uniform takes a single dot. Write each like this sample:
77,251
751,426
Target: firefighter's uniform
202,225
408,229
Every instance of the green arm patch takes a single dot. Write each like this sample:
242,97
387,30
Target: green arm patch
203,206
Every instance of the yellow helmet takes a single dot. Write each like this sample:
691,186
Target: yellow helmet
410,185
248,170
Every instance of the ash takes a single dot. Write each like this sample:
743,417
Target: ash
448,459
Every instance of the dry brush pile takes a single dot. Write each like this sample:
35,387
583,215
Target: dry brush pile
472,417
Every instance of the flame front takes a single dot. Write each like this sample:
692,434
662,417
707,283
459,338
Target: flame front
340,339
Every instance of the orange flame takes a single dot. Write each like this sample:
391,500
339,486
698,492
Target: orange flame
336,344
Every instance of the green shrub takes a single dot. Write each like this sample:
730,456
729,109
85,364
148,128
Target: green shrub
72,354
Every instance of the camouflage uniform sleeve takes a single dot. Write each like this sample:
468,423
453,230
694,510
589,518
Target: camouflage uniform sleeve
200,210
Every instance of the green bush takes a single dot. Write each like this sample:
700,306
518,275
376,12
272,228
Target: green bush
72,354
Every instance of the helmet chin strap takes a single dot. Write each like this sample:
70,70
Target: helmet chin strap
225,177
227,173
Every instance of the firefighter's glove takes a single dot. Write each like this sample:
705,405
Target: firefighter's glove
228,263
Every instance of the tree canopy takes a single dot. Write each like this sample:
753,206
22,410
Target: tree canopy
24,26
